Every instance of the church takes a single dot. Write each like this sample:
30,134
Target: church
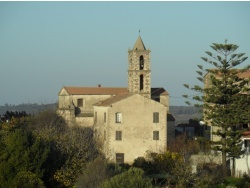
127,122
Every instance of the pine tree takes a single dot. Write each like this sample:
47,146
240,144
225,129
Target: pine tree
224,98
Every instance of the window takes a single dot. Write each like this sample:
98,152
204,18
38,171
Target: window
155,135
104,117
141,82
118,135
118,117
79,102
120,157
156,117
141,63
104,135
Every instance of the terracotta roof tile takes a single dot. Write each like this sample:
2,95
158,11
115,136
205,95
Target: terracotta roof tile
95,90
107,90
245,74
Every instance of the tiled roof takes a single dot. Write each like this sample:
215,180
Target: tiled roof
106,90
114,99
245,74
158,91
95,90
139,44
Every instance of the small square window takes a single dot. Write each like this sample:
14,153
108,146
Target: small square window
118,117
155,135
118,135
79,102
156,117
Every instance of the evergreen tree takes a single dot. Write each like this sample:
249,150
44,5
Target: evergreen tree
21,152
224,98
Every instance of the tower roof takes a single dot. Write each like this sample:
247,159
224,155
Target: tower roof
139,44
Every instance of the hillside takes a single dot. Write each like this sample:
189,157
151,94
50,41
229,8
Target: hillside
29,108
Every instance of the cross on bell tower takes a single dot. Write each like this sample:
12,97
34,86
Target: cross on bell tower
139,74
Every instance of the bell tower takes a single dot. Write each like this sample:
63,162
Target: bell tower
139,76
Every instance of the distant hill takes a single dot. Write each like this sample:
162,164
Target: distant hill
182,114
29,108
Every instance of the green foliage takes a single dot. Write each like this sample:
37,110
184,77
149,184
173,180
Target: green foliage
96,172
134,177
75,145
27,180
160,164
233,182
21,152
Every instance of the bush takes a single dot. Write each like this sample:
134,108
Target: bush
27,180
134,177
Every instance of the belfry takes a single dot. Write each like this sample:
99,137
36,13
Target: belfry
139,77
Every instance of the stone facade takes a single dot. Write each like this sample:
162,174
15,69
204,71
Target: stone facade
130,125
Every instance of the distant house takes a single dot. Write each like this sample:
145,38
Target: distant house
127,122
192,129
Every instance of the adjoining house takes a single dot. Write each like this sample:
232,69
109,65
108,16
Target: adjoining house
128,122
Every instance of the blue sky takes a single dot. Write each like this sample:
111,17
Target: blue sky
47,45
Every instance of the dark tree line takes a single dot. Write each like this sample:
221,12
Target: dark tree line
10,114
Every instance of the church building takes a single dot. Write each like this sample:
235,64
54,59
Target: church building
128,122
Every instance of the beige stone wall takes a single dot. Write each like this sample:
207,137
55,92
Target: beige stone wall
137,128
164,99
101,127
85,121
67,114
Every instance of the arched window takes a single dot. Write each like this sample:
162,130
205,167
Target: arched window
141,82
141,63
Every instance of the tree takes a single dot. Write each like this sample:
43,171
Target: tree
27,180
96,172
224,98
134,177
184,147
75,144
22,152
